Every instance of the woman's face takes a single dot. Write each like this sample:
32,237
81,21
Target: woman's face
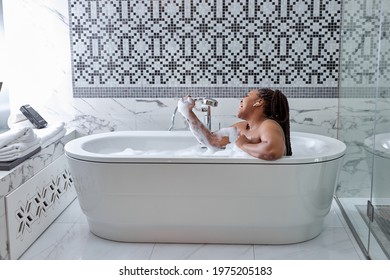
247,105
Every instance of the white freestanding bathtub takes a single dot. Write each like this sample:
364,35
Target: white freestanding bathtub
379,154
149,186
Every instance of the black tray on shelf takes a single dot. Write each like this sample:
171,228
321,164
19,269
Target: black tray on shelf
8,165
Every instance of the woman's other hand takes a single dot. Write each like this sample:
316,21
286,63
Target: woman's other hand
241,140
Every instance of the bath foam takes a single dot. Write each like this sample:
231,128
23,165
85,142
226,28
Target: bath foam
230,132
182,106
231,150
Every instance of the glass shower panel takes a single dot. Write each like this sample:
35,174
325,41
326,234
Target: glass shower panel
380,226
357,111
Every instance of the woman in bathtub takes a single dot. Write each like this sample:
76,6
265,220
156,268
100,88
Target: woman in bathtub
264,132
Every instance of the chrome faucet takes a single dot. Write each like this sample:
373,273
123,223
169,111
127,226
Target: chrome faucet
207,103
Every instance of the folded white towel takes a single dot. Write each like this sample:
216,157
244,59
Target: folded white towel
16,118
53,139
21,124
17,155
11,136
51,133
19,147
29,136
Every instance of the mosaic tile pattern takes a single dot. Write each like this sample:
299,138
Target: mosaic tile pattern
365,44
218,92
198,43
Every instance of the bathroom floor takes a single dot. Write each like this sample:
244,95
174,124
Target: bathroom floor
69,238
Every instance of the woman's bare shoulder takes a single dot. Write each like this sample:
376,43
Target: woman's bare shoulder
270,123
270,126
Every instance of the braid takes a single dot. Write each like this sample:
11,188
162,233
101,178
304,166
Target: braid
277,109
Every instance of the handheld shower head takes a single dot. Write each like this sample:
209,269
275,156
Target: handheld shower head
207,101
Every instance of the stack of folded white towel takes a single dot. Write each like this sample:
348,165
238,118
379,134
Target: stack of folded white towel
51,133
23,138
17,143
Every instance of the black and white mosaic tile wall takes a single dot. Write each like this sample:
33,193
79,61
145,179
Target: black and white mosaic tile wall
365,47
162,48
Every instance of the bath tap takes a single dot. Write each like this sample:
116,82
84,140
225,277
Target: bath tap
207,103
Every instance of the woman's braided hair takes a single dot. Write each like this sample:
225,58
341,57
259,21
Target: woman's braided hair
276,108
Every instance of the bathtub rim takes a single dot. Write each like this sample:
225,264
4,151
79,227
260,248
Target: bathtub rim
73,149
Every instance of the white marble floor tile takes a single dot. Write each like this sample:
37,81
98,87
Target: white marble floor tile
333,219
202,252
47,242
69,238
72,214
78,243
332,244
